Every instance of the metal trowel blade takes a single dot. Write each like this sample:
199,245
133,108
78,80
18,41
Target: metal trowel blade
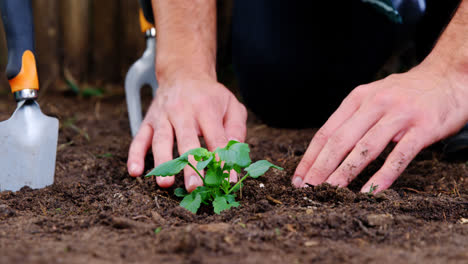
28,147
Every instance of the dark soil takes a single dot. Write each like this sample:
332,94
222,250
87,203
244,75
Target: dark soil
96,213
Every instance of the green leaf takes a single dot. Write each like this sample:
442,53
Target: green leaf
214,176
235,153
180,192
92,92
157,230
202,164
72,85
231,198
169,168
204,192
259,168
222,203
197,153
105,155
192,202
225,185
231,142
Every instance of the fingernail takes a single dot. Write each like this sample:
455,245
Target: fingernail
133,169
192,184
297,181
163,180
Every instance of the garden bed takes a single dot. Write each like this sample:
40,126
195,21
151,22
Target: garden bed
96,213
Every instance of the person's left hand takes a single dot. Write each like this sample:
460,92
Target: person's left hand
415,109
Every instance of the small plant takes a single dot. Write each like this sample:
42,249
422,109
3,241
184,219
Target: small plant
216,188
157,230
372,188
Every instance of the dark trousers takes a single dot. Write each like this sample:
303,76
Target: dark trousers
297,60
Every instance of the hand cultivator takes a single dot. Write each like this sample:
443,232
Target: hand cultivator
28,140
141,73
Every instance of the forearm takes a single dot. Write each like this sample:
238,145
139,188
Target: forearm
186,38
450,54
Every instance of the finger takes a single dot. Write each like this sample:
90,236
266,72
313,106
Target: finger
233,176
365,151
235,127
347,108
405,151
341,143
187,139
235,121
163,142
213,132
399,136
138,150
212,128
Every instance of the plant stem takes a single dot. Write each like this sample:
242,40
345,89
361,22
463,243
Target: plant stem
195,169
239,182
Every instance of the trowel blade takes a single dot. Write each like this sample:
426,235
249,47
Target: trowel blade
28,147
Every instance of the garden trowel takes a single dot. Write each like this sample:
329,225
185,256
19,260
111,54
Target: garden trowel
141,73
28,140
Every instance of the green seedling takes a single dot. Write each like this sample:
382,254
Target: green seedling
70,123
88,91
105,155
157,230
372,188
216,188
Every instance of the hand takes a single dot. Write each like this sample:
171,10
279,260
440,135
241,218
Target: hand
187,109
415,109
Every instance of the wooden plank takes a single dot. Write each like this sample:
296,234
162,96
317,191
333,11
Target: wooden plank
46,23
105,36
74,16
132,40
3,61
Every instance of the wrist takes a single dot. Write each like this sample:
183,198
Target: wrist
446,74
184,66
170,73
453,69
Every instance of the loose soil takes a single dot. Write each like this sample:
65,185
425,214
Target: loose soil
96,213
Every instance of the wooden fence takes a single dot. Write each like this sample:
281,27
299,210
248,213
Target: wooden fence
93,40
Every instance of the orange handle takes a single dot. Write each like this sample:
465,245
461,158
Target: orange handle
27,77
144,24
17,20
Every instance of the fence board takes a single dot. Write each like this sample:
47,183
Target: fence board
75,29
132,40
105,41
46,25
96,40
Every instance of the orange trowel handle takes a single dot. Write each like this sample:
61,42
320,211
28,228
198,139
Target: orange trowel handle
19,29
146,15
145,25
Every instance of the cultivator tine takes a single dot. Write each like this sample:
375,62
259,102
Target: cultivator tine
141,73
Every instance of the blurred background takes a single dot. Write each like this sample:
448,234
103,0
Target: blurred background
94,41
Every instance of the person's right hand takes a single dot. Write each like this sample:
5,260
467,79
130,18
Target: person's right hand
186,108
